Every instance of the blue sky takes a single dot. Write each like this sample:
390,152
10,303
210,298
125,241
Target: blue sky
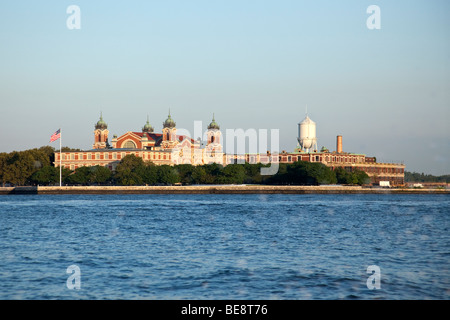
254,63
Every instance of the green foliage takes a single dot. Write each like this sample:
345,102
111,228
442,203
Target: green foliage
17,167
99,175
345,177
185,172
167,175
79,177
362,177
96,175
200,176
150,174
48,175
303,173
130,171
232,174
421,177
356,177
253,173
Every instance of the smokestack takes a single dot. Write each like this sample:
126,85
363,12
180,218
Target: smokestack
339,144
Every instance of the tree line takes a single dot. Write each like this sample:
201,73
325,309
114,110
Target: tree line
35,167
421,177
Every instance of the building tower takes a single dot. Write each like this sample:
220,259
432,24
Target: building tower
214,135
147,127
307,134
101,134
214,150
169,133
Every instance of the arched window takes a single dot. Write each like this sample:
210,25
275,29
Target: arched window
129,145
167,136
212,139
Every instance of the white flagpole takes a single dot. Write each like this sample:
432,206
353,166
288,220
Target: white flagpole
60,157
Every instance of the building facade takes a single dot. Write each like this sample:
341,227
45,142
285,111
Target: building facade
166,148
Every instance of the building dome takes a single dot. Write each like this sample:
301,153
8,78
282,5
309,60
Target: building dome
147,127
169,123
213,124
307,121
101,124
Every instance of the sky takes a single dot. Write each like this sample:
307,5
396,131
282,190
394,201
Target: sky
255,64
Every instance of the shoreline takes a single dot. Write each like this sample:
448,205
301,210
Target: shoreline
216,189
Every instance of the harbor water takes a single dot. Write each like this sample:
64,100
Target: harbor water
212,246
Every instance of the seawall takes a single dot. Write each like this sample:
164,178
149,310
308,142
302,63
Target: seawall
217,189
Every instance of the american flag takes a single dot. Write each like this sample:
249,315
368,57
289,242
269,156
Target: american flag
55,136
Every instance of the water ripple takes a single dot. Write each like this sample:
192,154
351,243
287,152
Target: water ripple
225,246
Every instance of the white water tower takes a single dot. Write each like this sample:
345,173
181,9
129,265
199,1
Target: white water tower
307,134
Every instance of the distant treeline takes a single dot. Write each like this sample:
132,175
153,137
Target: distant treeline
421,177
35,167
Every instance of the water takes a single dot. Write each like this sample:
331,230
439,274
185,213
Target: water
224,246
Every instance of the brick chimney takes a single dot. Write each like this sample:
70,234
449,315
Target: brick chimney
339,144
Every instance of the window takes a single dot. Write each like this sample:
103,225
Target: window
129,145
72,156
97,156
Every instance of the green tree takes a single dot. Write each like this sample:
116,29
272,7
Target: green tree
130,171
213,171
303,173
167,175
361,177
150,176
19,168
199,175
185,172
3,164
232,174
79,177
99,175
345,177
48,175
253,173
